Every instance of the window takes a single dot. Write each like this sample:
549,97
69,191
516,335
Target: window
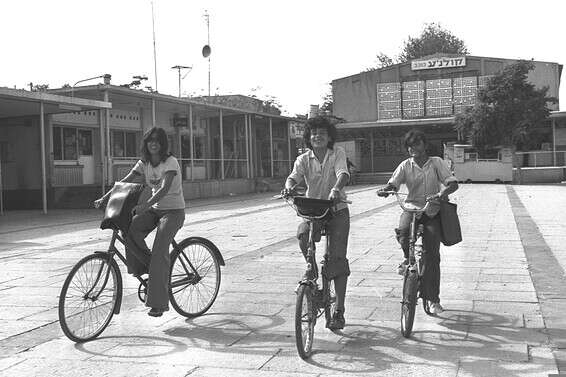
124,144
69,143
66,144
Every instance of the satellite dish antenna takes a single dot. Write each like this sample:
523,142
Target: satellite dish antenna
206,51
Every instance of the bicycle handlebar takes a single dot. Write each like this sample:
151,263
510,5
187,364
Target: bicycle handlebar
402,203
279,196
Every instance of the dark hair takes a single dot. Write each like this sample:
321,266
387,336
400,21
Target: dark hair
319,122
412,137
163,142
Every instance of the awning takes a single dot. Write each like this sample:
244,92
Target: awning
396,123
18,103
21,103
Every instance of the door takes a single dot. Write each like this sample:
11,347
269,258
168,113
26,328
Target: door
86,159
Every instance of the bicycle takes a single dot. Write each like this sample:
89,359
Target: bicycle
413,272
312,301
92,292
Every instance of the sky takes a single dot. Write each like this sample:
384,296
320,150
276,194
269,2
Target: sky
288,50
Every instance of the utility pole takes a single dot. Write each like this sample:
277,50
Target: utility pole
207,18
178,68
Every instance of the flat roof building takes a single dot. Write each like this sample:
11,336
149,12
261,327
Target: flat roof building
380,105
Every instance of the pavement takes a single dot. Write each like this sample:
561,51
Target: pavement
503,289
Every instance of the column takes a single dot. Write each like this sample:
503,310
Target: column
289,145
221,145
43,169
191,142
247,145
102,159
271,143
107,139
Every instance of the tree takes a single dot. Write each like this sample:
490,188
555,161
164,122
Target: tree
328,102
509,108
383,61
433,39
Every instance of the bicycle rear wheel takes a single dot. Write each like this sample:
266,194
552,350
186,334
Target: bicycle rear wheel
194,278
305,320
88,298
409,302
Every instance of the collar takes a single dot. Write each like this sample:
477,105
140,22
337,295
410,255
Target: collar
412,160
328,152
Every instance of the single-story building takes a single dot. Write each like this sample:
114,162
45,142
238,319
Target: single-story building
85,138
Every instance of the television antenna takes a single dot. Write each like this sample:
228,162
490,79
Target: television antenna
179,68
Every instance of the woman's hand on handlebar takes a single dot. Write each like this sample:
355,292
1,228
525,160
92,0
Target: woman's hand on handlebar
386,191
288,192
437,198
99,203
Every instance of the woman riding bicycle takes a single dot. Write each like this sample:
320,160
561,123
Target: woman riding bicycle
165,209
323,168
423,176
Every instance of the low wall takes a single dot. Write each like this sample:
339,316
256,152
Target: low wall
83,196
539,175
214,188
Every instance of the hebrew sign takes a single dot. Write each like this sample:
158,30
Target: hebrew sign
441,62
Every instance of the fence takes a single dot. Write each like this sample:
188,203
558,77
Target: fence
536,159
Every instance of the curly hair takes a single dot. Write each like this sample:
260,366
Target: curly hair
412,137
319,122
161,136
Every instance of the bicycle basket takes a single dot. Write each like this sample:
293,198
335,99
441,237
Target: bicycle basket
118,212
311,207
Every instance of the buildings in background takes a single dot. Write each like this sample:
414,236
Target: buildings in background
381,105
229,146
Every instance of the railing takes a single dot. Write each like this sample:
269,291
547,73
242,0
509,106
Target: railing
536,159
67,175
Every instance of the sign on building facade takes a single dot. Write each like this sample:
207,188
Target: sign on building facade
440,62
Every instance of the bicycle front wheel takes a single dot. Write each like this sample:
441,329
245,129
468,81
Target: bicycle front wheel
305,320
194,279
88,297
409,302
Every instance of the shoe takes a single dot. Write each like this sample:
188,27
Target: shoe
337,322
436,308
154,312
402,267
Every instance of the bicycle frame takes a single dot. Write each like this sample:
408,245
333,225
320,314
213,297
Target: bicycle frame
414,234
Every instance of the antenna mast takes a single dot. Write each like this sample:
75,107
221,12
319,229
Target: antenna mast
154,51
178,68
207,18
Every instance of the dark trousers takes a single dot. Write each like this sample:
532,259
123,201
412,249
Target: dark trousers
139,258
338,269
430,289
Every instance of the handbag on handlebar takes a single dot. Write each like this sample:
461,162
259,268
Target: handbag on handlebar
450,224
118,212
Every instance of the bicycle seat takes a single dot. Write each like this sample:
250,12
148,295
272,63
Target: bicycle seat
118,211
311,207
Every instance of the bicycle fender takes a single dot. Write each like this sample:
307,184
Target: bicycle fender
118,282
208,243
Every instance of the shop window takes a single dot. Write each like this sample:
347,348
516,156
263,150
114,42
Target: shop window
124,144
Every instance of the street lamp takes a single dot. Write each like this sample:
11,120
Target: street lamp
105,76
